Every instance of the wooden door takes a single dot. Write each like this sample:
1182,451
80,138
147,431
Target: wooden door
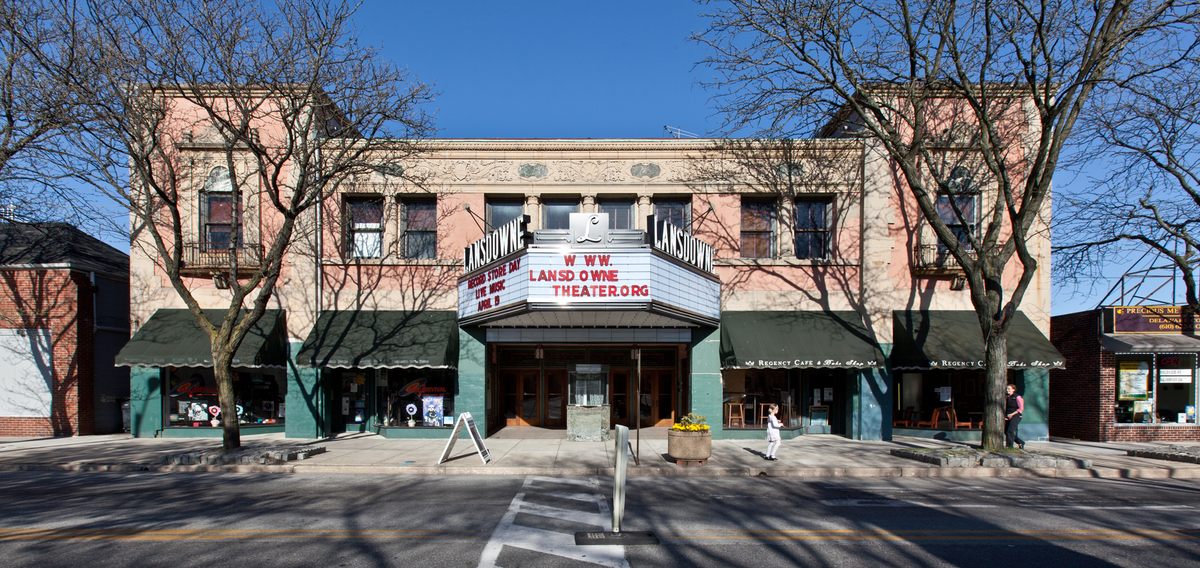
657,404
555,412
521,393
620,396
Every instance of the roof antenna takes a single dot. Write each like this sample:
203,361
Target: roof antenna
676,132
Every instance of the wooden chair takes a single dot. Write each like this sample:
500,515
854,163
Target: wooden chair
933,420
735,412
906,419
955,423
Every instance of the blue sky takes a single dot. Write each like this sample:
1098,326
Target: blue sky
546,69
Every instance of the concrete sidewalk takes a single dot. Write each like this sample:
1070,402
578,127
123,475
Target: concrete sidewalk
810,456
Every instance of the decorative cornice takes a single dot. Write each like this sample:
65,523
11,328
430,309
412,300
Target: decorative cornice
593,144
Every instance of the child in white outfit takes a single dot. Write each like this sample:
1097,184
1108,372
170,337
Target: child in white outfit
773,425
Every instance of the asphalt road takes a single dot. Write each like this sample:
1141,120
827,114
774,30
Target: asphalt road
192,520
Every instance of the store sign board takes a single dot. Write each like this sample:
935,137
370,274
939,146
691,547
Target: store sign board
505,240
981,364
469,421
1175,376
572,277
1146,319
680,244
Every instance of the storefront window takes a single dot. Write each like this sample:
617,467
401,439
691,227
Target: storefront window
193,402
424,396
943,399
749,393
1156,388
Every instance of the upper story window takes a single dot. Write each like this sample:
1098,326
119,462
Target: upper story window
220,212
502,210
419,228
364,226
675,210
758,228
958,207
620,212
556,213
812,227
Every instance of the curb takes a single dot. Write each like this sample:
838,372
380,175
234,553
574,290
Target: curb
650,472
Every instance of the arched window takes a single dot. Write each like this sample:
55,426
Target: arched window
958,206
220,212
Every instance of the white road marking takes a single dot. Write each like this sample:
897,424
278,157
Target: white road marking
509,533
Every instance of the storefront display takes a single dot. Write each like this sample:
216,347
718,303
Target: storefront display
420,397
748,394
1155,388
193,401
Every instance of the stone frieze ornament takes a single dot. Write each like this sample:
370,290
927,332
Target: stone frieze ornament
555,171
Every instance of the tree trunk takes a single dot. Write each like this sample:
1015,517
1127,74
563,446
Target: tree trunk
223,373
997,378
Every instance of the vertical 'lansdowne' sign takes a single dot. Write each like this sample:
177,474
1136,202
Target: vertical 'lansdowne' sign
679,244
505,240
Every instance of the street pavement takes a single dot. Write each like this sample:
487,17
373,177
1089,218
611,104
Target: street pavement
548,453
55,518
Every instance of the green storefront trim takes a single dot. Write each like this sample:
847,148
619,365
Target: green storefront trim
145,402
472,382
308,414
207,432
706,391
417,432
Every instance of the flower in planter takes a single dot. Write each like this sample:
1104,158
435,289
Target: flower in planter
692,422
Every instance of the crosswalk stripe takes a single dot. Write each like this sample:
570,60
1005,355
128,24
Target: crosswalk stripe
510,534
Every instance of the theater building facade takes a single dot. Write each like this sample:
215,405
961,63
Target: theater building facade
578,284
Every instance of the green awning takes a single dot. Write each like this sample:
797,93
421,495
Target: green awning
382,340
796,340
952,340
171,338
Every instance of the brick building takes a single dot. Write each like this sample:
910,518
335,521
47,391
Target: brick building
558,283
1129,377
64,313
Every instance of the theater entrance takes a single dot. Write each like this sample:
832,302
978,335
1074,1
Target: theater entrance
659,401
533,397
536,386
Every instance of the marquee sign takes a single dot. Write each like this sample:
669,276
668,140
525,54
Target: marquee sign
505,240
564,276
679,244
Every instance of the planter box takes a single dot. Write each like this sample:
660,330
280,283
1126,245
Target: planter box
689,446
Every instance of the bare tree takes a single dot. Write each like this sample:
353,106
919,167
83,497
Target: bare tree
275,106
1148,195
35,107
979,94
